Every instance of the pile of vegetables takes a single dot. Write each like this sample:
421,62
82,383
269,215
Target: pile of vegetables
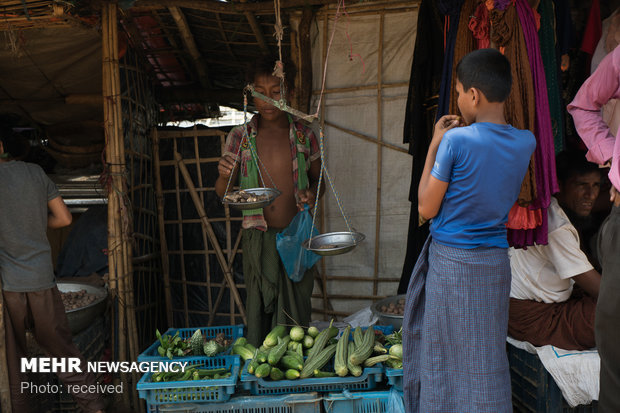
303,354
395,341
192,373
196,345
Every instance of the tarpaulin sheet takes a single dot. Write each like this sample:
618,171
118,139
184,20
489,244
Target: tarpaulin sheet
352,162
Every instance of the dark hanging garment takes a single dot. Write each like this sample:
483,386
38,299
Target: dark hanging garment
546,35
426,69
451,9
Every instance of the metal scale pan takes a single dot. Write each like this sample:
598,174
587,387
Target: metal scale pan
334,243
270,193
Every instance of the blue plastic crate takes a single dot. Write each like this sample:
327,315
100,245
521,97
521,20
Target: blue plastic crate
290,403
234,332
366,381
193,390
358,402
395,378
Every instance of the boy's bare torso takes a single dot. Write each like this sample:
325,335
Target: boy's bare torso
274,151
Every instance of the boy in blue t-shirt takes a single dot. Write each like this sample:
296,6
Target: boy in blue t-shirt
456,316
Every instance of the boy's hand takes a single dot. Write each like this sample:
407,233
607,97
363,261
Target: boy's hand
226,166
306,196
444,124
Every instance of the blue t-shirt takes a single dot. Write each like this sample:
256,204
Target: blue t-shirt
484,165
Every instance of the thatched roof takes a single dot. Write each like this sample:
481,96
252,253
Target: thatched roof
196,50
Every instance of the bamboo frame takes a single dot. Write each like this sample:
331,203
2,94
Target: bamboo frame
225,256
163,244
207,226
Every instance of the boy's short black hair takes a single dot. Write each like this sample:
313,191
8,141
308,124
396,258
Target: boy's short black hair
569,163
265,64
487,70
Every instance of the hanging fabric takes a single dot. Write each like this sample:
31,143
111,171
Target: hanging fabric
520,105
464,44
451,9
546,36
546,182
422,98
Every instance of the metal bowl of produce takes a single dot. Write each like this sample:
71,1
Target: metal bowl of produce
83,303
251,198
390,310
333,243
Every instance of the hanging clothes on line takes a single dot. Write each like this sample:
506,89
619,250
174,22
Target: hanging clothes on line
422,98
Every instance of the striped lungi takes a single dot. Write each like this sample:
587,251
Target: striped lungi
454,331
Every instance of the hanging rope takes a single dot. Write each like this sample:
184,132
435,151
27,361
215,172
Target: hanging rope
253,151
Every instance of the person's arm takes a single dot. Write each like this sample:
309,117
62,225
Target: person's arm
585,109
225,168
590,281
308,196
58,215
432,190
227,164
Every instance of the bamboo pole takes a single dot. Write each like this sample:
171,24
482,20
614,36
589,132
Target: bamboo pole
190,44
5,393
207,226
366,138
230,8
375,285
358,88
115,258
205,241
258,33
119,217
326,302
163,244
177,183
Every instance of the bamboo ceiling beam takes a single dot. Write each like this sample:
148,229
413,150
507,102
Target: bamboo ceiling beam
190,45
258,33
230,8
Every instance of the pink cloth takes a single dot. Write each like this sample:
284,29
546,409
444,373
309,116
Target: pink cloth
600,87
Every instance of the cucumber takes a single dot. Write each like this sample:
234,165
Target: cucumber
296,333
308,341
263,370
272,338
291,362
276,374
291,374
313,332
241,341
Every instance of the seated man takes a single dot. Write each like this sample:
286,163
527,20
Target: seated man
544,308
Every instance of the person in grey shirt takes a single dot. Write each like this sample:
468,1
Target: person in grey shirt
29,204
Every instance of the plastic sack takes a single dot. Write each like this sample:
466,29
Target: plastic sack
396,403
296,259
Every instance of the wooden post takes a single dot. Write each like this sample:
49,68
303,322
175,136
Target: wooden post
212,237
119,217
375,285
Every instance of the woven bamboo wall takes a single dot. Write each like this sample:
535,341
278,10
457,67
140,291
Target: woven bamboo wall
139,117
